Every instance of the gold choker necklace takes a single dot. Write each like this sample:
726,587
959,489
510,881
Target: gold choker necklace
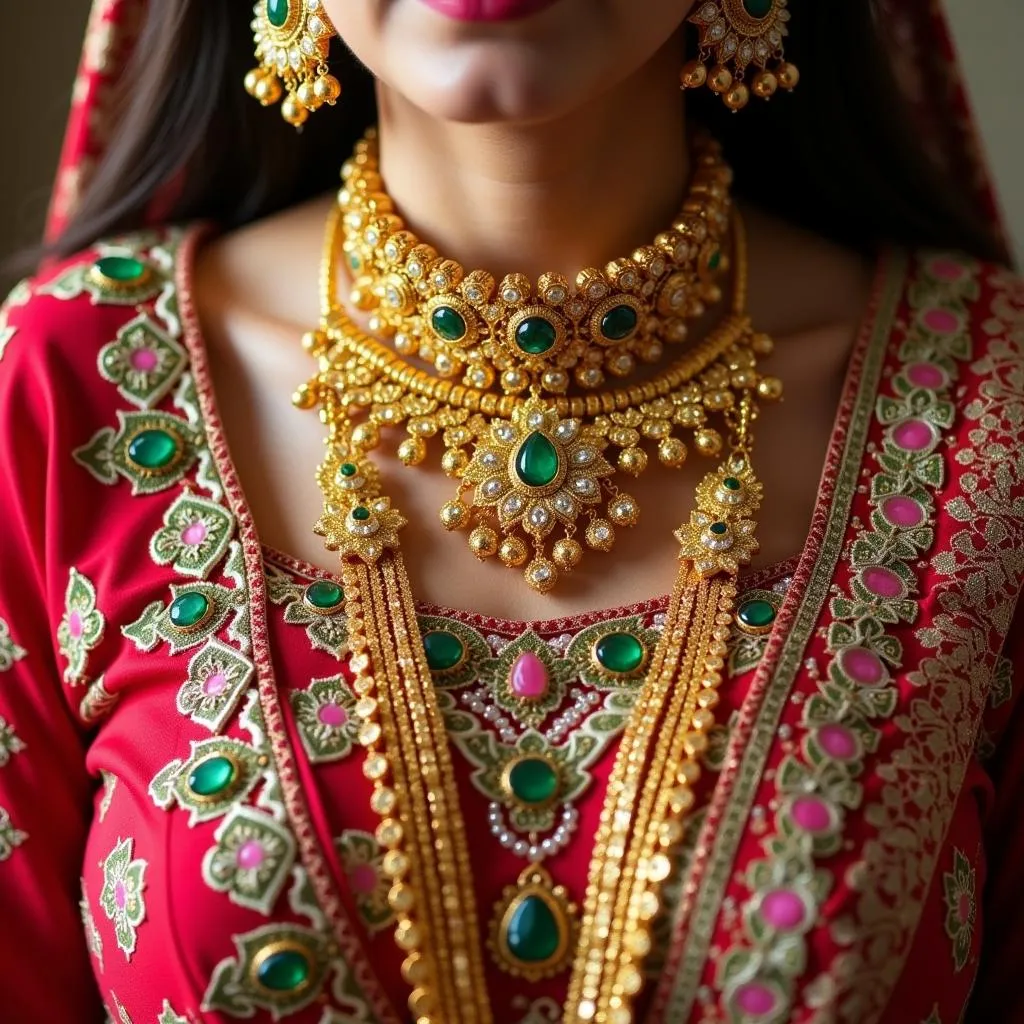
408,759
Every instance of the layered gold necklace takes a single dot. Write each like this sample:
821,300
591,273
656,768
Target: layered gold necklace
536,462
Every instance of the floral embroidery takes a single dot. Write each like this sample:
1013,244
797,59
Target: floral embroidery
18,297
251,860
10,837
122,1014
537,1011
195,612
10,652
325,627
97,703
93,939
194,536
82,627
109,785
82,278
217,678
959,887
9,743
144,362
362,858
169,1016
325,715
121,898
746,646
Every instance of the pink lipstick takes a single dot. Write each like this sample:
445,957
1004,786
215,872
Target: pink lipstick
488,10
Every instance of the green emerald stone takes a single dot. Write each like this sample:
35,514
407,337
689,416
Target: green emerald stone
355,262
348,469
361,514
758,8
532,934
123,269
153,449
621,653
537,461
189,609
757,613
277,12
719,529
324,594
715,260
285,971
444,650
535,335
533,780
448,323
730,483
619,322
212,776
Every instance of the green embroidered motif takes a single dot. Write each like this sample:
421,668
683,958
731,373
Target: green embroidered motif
109,785
219,773
169,1016
97,703
746,649
325,715
278,968
18,297
9,743
195,612
153,450
959,888
251,860
194,537
362,859
122,1014
640,642
472,649
93,939
10,837
81,628
121,898
217,678
120,287
144,362
10,652
1002,683
326,630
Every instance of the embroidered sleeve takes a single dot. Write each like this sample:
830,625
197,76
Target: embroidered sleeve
50,624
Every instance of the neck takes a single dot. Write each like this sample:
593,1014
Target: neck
555,196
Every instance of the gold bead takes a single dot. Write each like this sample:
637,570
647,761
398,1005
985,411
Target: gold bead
720,79
703,719
567,553
708,441
788,75
770,388
600,535
637,943
415,969
672,452
633,461
744,379
719,399
670,833
689,774
454,515
252,80
389,833
624,511
737,97
483,542
422,1003
383,800
306,96
693,75
762,344
395,864
315,342
680,800
512,552
327,89
293,111
401,897
765,84
708,698
454,461
659,867
305,397
408,935
412,451
366,436
695,743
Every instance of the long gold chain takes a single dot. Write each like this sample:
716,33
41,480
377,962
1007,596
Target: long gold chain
408,759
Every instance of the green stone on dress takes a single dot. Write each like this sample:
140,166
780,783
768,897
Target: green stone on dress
621,653
189,610
324,594
121,269
277,12
533,780
212,776
448,323
758,8
619,322
153,449
537,462
285,971
445,651
532,933
757,614
536,335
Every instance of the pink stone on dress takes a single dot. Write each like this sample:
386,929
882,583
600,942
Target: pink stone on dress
946,269
120,895
882,582
927,375
903,512
941,321
838,742
914,435
783,910
194,535
333,715
363,878
755,999
250,854
528,679
145,360
215,685
811,813
75,624
862,666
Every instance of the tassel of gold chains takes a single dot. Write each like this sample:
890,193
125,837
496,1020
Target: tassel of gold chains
408,759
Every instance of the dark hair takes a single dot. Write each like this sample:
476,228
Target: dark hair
838,155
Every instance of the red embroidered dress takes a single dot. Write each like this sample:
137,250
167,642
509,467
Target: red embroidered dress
185,830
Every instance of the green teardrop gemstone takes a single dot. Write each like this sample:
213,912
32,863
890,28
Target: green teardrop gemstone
533,780
758,8
730,483
348,469
122,269
532,933
444,650
535,335
621,653
715,261
212,776
324,594
285,971
153,449
188,609
537,461
448,323
757,613
361,514
619,322
277,12
719,529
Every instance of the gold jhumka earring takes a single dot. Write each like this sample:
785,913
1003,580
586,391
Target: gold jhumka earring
293,39
740,33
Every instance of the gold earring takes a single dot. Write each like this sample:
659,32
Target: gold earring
293,39
740,33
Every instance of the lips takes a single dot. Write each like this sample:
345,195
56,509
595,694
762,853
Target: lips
488,10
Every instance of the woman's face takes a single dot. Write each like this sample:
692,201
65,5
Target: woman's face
504,60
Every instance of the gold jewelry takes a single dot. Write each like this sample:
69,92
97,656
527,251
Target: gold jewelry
518,336
408,758
293,40
740,33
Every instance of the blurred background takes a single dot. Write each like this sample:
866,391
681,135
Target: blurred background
989,34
